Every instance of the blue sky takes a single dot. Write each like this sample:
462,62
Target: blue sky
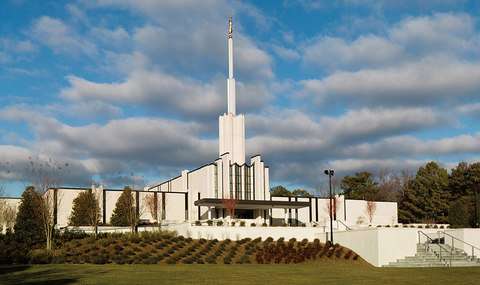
121,87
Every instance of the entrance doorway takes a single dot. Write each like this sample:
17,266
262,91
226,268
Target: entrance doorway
244,214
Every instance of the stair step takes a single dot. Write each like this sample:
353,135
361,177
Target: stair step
429,258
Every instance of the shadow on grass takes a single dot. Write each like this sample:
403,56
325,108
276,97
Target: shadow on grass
21,275
6,269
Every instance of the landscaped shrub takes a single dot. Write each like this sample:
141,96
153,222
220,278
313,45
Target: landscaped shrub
40,256
264,224
284,224
304,225
210,222
242,223
253,225
219,223
232,223
198,223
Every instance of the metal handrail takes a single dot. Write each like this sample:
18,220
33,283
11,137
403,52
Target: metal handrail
431,241
466,243
347,227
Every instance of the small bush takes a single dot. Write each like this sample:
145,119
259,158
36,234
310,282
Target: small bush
264,225
233,224
253,225
210,222
242,223
387,226
420,227
40,256
284,224
198,223
304,225
220,223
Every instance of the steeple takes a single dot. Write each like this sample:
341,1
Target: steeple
231,79
231,127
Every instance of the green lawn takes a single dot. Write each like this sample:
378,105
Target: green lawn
233,274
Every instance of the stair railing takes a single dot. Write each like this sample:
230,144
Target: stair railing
346,227
441,256
458,240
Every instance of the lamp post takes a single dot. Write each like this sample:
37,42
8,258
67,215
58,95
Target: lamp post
330,174
475,181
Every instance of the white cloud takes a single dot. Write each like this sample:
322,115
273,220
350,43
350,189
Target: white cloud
285,53
437,33
364,52
181,96
429,81
59,37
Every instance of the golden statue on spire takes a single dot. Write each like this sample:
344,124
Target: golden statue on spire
230,29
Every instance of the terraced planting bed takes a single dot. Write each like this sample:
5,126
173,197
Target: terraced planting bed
166,248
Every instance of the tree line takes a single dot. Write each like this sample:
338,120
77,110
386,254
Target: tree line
431,195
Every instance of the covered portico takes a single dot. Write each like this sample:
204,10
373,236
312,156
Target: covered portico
247,208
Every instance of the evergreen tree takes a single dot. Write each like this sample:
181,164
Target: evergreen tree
125,212
361,186
457,214
27,225
86,210
280,191
428,196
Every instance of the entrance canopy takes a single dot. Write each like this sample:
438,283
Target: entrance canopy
253,204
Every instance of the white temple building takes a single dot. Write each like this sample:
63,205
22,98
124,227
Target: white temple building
229,176
197,194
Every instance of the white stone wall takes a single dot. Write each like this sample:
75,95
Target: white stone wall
175,207
65,199
386,213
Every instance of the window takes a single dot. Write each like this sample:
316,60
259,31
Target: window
215,177
231,181
247,183
238,182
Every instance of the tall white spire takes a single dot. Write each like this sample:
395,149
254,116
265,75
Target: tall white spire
231,79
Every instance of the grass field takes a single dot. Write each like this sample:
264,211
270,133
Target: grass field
232,274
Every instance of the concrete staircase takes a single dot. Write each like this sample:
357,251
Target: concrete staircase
424,258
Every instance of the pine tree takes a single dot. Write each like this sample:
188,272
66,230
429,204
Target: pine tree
86,210
125,212
428,196
27,225
457,214
361,186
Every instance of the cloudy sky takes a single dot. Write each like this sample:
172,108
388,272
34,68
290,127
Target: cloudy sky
115,87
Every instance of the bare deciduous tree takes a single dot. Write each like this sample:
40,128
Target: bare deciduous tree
370,209
335,206
151,202
230,203
46,177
